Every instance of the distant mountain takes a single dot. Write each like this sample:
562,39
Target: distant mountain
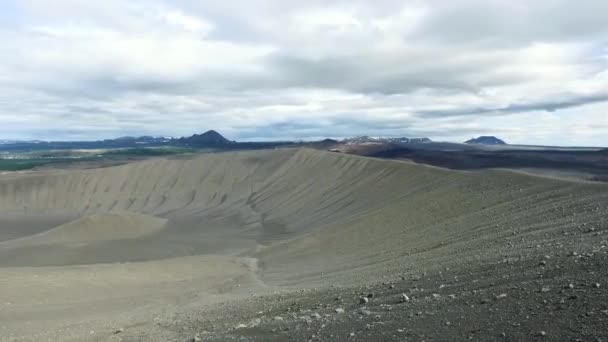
380,140
11,142
209,138
143,140
360,140
328,141
486,140
122,142
420,141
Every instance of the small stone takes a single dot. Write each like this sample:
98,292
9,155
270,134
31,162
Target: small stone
351,335
542,333
545,289
570,286
278,318
255,323
315,315
436,295
339,310
363,300
240,326
596,285
391,286
501,296
365,312
404,298
118,331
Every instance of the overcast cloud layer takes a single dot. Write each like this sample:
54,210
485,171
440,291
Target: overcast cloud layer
528,71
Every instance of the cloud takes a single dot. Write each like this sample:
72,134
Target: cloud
188,22
559,103
266,69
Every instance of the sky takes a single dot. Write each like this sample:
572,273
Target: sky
529,72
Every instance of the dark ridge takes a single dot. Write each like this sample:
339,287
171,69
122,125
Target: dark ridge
210,137
486,140
329,141
592,162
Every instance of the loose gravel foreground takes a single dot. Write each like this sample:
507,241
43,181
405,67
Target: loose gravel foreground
300,245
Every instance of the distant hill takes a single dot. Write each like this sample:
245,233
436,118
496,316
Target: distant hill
209,138
420,141
486,140
328,141
380,140
324,143
143,140
122,142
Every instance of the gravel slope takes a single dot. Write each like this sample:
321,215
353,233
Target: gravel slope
273,245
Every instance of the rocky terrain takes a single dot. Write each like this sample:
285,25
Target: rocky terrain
300,245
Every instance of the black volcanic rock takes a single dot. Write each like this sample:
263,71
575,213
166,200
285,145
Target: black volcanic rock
486,140
208,138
